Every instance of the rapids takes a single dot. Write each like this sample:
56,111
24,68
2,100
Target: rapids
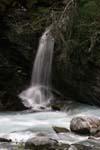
19,126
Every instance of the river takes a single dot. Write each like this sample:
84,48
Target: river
19,126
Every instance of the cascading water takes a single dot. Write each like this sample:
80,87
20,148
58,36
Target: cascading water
38,95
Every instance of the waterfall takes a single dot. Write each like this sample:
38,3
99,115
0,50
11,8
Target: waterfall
38,95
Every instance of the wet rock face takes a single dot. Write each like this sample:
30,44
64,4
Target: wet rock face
85,125
77,67
17,44
41,142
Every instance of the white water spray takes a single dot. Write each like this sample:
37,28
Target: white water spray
38,95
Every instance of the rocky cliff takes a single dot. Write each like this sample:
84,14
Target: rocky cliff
76,61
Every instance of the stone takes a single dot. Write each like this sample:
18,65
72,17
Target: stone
62,146
85,125
72,147
5,140
42,142
80,147
60,129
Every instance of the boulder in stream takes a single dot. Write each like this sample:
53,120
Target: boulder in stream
60,129
5,140
85,125
42,142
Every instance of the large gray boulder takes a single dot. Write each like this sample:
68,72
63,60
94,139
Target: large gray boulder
85,125
43,142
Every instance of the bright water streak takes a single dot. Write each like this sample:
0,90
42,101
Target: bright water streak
42,66
38,94
21,126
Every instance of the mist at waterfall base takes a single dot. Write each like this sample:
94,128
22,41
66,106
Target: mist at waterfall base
38,95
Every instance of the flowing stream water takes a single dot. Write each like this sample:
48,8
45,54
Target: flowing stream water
19,126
